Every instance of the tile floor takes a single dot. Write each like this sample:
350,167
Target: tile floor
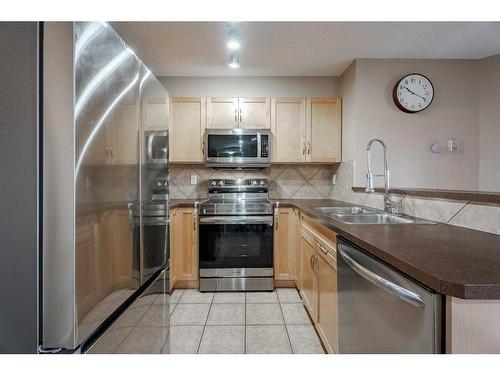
251,322
142,329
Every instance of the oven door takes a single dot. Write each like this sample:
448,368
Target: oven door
232,246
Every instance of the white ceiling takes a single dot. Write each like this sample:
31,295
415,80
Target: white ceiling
301,48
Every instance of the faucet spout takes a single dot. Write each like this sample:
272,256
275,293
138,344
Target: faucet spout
370,175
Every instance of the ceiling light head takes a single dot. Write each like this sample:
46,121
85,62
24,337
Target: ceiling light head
234,60
234,39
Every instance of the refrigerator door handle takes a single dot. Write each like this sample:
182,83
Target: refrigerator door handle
390,287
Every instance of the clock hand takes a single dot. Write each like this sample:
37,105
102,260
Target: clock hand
414,93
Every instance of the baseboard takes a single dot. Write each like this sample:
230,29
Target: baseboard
284,284
185,284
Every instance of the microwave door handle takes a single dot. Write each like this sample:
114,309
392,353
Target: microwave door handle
150,147
390,287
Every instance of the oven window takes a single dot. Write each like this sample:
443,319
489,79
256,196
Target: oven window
232,146
159,146
236,246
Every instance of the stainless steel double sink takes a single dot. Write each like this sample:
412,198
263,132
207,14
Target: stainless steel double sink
362,215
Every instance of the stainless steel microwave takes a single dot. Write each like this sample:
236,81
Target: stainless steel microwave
237,148
156,148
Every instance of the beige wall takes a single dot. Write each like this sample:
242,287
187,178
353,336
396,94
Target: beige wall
489,123
347,90
367,86
251,86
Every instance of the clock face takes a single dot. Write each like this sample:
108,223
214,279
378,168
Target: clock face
413,93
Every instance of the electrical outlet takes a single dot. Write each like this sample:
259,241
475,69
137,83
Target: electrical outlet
194,179
334,179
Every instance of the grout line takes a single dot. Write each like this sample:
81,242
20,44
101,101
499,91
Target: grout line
284,322
204,326
245,329
465,205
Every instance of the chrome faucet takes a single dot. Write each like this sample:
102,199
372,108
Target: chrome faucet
389,205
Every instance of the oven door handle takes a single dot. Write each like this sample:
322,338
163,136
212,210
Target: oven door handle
211,220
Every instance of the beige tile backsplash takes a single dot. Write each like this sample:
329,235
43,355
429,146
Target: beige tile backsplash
294,182
471,215
285,181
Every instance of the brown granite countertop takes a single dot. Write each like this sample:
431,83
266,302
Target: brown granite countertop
452,260
461,195
176,203
95,208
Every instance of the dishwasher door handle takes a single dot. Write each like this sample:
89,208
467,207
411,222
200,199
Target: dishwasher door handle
390,287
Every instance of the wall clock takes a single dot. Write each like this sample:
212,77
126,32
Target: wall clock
413,93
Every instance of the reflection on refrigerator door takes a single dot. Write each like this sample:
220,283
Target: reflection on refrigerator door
107,174
144,327
114,250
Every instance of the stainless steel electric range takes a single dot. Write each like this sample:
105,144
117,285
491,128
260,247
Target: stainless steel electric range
236,236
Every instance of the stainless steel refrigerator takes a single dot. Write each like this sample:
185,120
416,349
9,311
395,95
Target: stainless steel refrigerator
99,251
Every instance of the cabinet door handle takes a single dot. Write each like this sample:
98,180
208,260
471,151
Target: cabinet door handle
107,151
311,260
235,115
241,115
309,148
303,147
276,219
111,151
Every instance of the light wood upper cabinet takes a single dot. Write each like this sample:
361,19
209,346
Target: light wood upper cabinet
288,127
246,113
304,130
184,244
187,126
123,136
155,114
222,113
254,113
323,130
284,243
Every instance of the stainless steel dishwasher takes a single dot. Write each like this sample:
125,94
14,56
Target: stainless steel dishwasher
381,310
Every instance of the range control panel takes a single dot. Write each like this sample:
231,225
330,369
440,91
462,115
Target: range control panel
236,183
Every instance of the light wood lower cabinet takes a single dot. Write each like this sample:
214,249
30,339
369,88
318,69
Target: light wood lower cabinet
327,322
104,257
284,243
318,281
184,247
123,250
86,259
309,283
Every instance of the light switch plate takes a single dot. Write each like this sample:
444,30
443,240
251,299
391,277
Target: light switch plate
453,145
194,179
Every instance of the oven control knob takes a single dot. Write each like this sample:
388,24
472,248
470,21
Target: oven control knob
261,182
221,183
254,182
214,183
